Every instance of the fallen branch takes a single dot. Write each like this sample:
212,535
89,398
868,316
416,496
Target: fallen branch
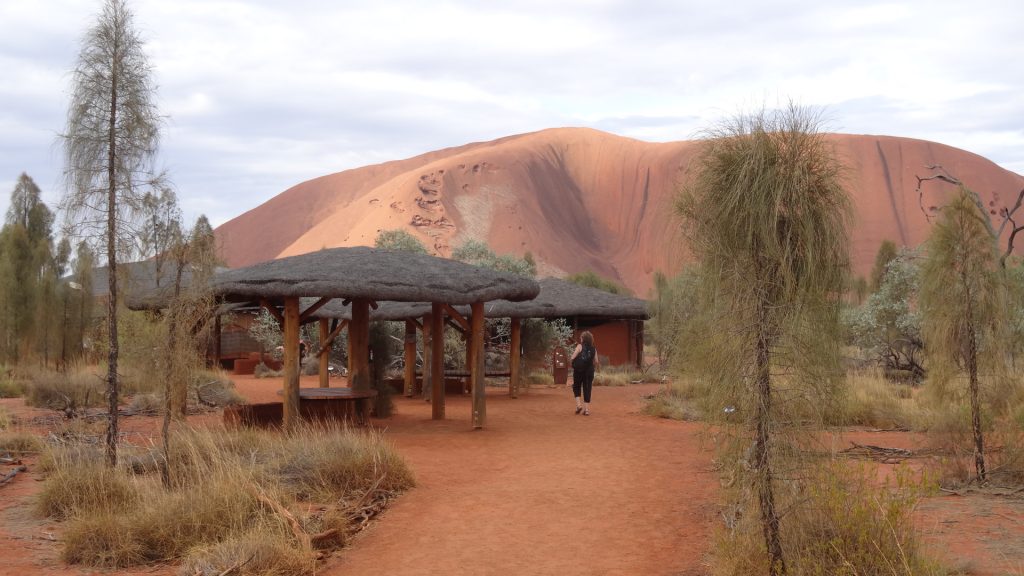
882,454
237,566
297,530
9,460
10,475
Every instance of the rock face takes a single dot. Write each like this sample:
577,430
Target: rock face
578,199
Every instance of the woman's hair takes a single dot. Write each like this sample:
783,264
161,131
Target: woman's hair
587,338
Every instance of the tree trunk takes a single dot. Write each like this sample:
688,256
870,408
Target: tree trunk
762,450
112,384
972,373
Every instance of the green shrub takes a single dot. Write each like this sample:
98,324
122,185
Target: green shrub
5,418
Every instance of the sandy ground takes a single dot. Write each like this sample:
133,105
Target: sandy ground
540,491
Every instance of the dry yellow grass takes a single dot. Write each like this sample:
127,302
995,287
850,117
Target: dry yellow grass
230,493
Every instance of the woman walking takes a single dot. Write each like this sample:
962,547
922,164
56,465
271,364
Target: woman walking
584,360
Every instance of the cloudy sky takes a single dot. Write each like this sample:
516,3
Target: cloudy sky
260,95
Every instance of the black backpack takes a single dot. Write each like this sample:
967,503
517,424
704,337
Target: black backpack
585,359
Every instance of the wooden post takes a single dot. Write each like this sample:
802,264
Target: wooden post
359,341
437,360
468,335
410,358
515,357
476,334
216,340
325,359
425,388
291,363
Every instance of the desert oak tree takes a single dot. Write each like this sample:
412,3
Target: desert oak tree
766,215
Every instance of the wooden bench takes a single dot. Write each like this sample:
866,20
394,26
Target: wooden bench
336,404
315,404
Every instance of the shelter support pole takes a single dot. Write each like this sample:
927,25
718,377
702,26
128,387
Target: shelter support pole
216,341
476,335
468,335
325,359
359,341
410,358
437,360
291,363
515,357
428,356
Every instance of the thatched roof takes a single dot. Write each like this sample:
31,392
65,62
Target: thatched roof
557,299
373,273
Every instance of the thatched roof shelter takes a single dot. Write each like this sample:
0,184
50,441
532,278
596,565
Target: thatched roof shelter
557,299
363,277
375,274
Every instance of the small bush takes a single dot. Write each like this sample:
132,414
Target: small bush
213,389
19,442
665,405
67,392
840,524
77,486
146,403
262,371
10,388
538,379
872,400
5,419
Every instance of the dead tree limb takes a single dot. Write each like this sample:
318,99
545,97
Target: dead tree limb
10,475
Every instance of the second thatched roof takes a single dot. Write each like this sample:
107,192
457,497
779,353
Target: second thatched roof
372,273
557,299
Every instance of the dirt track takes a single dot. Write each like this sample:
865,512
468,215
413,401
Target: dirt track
543,491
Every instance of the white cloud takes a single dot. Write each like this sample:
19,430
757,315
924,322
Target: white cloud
262,94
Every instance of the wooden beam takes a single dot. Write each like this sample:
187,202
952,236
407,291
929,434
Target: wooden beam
304,317
417,323
437,360
476,334
325,345
291,363
273,311
515,357
453,324
325,359
359,341
410,358
428,356
454,315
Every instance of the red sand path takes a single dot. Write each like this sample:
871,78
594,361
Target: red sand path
540,490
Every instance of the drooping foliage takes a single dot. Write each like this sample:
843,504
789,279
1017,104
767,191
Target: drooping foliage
766,216
963,307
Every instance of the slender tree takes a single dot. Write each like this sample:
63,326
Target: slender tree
766,215
161,228
26,248
886,253
110,145
963,304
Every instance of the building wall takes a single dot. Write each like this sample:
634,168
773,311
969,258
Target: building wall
619,342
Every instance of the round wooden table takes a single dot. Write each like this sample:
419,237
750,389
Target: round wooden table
335,404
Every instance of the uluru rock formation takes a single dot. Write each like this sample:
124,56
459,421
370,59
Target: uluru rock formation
579,199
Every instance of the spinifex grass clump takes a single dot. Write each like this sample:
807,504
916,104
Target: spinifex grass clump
229,493
841,523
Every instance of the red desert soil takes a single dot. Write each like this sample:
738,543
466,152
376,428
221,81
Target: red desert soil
539,491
